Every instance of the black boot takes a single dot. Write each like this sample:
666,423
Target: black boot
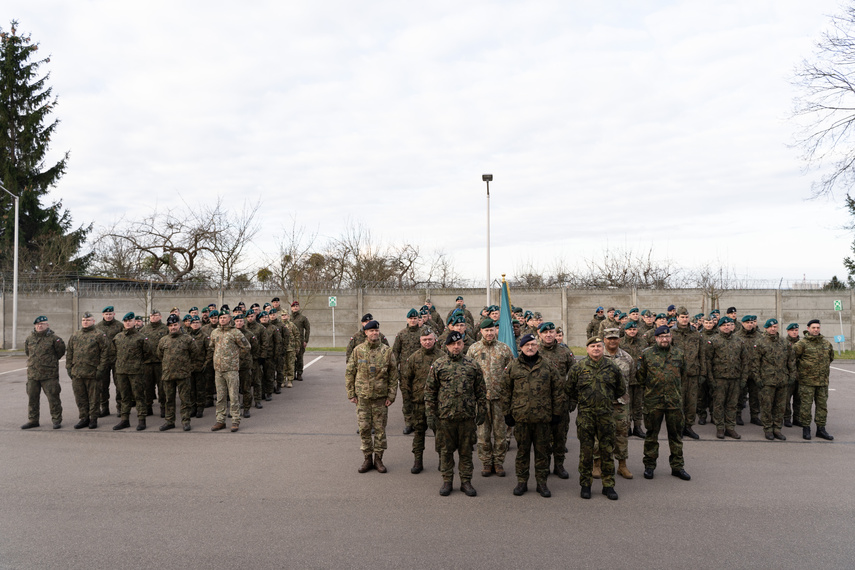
739,421
586,492
30,425
141,424
520,489
543,490
122,425
805,432
445,490
468,489
610,493
93,423
820,432
85,422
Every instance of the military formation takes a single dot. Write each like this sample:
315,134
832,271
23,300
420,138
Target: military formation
230,359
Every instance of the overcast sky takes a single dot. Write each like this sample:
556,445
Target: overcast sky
622,124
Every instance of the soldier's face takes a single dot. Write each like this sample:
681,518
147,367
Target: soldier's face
295,308
250,318
174,327
264,319
495,316
138,324
196,325
648,319
128,324
459,302
633,316
490,334
529,348
373,334
276,304
87,321
109,316
610,314
425,318
455,348
224,320
772,329
194,313
683,320
793,333
559,337
749,325
428,341
611,344
663,340
727,327
548,336
42,326
595,350
814,329
459,327
709,324
155,318
412,321
239,323
516,329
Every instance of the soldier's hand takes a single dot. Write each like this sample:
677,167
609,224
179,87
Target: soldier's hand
555,420
510,421
354,399
388,403
480,417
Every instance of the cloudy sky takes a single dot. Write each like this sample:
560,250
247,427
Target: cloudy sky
621,124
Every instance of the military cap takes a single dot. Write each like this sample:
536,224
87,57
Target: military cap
598,309
525,339
661,316
630,325
195,319
193,309
459,298
412,314
225,309
812,321
558,330
138,318
747,318
237,310
372,324
623,316
266,305
457,319
214,313
239,316
263,314
154,312
108,309
493,308
671,320
671,307
295,304
453,337
730,310
254,305
725,320
274,300
205,310
699,316
611,309
174,309
172,319
646,313
516,310
186,318
488,323
367,317
212,305
633,310
43,319
537,315
272,311
770,322
715,311
241,304
593,340
88,315
527,315
425,331
425,310
427,300
547,326
515,321
661,330
682,311
612,333
792,326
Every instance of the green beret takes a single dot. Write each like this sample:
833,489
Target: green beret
630,325
425,331
459,298
493,308
488,323
661,316
108,309
263,314
86,315
747,318
194,309
682,311
214,313
792,326
633,310
457,319
187,318
205,311
412,314
725,320
699,316
770,322
41,319
515,321
547,327
129,317
623,316
195,319
646,313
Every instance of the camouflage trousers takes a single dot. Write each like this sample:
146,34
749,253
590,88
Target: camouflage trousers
636,398
674,424
558,435
372,413
257,381
725,401
153,379
104,386
131,389
459,436
198,388
298,362
539,436
268,376
690,400
808,395
772,403
51,389
228,387
245,376
621,446
419,428
705,398
493,436
87,396
750,394
590,428
288,366
182,386
210,383
793,410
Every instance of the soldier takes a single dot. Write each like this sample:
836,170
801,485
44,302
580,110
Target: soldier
662,373
594,326
626,363
791,413
246,367
531,396
461,306
197,379
359,337
775,362
594,385
268,362
633,318
455,402
372,383
814,356
44,349
660,320
130,348
407,341
705,381
646,323
284,347
563,359
731,312
210,385
458,324
154,331
177,352
689,341
291,348
727,366
87,355
750,392
138,322
225,349
110,327
304,329
414,375
671,312
492,356
438,326
610,322
259,360
633,345
185,328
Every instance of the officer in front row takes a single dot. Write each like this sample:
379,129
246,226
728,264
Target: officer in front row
44,350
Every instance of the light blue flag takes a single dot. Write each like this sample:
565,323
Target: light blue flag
506,328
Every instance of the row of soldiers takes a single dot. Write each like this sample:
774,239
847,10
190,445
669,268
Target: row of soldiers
177,356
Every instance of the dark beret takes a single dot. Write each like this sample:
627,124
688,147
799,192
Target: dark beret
661,330
453,337
488,323
792,326
547,327
42,319
172,319
525,339
372,324
812,321
367,317
412,314
108,309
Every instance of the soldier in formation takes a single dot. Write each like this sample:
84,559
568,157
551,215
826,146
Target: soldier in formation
44,349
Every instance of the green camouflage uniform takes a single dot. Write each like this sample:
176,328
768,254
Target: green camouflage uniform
406,343
372,377
270,362
111,329
793,402
154,371
593,387
492,358
467,316
776,362
291,351
131,350
727,365
414,375
225,349
532,395
44,350
198,389
358,339
634,346
607,323
594,326
86,356
750,393
662,373
263,337
563,359
467,341
455,394
436,321
177,352
627,367
247,366
303,330
814,356
706,383
689,341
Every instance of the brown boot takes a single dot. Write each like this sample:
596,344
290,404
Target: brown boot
732,433
719,433
596,472
500,470
367,465
378,463
623,470
417,467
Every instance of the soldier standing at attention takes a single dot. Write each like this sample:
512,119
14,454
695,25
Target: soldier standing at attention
438,326
455,402
626,363
705,382
727,366
302,323
814,356
594,385
359,337
110,327
459,305
87,356
177,352
632,344
407,341
225,349
130,348
492,356
776,362
750,335
414,374
43,349
256,328
562,358
662,373
531,399
687,339
154,331
197,379
791,413
290,349
246,364
372,383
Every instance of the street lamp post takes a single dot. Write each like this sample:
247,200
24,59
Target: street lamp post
488,178
15,274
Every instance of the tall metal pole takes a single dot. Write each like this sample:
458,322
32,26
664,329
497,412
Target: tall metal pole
487,180
15,275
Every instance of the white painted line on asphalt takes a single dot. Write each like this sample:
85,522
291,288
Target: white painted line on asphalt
312,362
843,370
10,371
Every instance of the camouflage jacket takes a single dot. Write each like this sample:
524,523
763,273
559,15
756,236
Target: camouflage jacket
275,340
492,358
265,345
43,350
414,374
202,341
154,332
750,339
303,327
791,342
87,354
177,352
467,341
467,316
776,361
607,323
628,369
436,321
689,341
662,373
532,393
594,386
225,348
358,339
247,359
130,348
726,357
814,356
455,389
406,342
294,340
594,326
285,333
634,345
563,359
372,372
111,329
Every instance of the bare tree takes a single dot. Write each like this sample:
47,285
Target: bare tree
441,272
116,257
232,232
290,269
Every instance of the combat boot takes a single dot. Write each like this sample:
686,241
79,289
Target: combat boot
200,411
258,404
218,426
719,433
246,413
166,426
468,489
378,463
486,470
141,424
30,425
596,472
610,493
500,470
689,432
681,474
277,389
408,430
756,421
57,425
623,470
543,490
805,432
560,471
585,493
788,422
85,422
367,465
702,420
186,426
648,472
235,427
820,432
638,432
797,422
778,435
93,423
289,384
149,411
105,411
520,489
445,490
732,433
768,435
417,467
739,421
122,425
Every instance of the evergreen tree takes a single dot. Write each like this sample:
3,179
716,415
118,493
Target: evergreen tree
48,244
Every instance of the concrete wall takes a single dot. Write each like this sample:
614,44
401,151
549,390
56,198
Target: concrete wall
570,309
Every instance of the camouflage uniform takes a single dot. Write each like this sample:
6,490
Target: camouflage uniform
814,356
776,362
750,392
130,348
563,359
467,341
44,350
210,388
291,351
607,323
492,358
406,343
594,326
225,349
793,402
634,346
594,386
531,394
263,337
727,366
197,379
303,330
177,352
357,339
689,341
436,321
154,371
414,375
627,366
455,394
269,365
110,329
467,316
247,366
662,373
87,355
372,377
705,382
